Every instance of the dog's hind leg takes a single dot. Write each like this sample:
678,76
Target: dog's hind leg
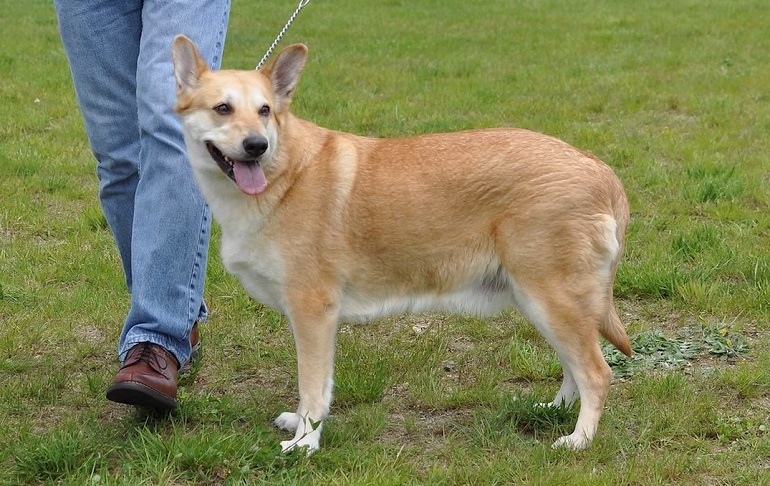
591,377
571,327
568,392
313,320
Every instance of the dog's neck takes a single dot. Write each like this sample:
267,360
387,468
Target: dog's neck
301,141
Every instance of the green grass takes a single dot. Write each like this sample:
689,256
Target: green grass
673,95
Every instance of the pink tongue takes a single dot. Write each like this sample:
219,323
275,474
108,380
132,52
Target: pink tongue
250,178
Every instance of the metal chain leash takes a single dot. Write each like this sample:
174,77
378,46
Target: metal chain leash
270,50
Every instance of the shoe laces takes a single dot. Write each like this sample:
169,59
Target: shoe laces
156,359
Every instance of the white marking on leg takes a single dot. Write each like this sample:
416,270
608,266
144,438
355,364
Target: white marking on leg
568,392
314,336
593,388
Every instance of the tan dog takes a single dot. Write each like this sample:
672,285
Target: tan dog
325,226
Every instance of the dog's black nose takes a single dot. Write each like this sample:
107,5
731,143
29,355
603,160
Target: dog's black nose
255,145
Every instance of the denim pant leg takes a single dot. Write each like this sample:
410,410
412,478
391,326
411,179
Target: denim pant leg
101,39
171,220
169,230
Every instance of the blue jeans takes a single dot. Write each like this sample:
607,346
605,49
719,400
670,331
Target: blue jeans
120,57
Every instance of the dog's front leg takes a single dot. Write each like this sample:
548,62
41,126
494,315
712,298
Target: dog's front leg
314,325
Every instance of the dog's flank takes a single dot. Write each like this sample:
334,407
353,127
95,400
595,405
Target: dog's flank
327,226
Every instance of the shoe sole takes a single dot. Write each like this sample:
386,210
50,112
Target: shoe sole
134,393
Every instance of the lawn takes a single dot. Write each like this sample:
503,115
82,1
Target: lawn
674,95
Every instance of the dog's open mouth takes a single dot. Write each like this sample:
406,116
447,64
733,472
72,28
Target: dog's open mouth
247,174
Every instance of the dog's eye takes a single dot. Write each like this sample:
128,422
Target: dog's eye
264,111
223,109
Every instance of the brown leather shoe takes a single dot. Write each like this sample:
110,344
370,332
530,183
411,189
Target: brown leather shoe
147,378
149,375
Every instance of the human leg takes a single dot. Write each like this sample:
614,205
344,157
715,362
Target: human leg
171,220
119,54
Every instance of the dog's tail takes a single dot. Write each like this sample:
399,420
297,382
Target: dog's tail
611,327
613,331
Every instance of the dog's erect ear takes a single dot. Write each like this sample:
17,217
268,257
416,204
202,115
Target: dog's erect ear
188,64
285,70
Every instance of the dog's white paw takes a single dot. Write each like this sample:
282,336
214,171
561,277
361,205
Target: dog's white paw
575,441
288,421
311,442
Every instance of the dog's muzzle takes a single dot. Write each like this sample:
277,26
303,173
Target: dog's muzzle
246,173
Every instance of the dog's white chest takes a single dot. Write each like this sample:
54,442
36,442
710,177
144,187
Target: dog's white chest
257,265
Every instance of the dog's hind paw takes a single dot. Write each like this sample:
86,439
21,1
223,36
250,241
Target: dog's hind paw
574,441
288,421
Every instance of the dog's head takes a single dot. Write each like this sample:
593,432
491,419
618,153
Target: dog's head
232,118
